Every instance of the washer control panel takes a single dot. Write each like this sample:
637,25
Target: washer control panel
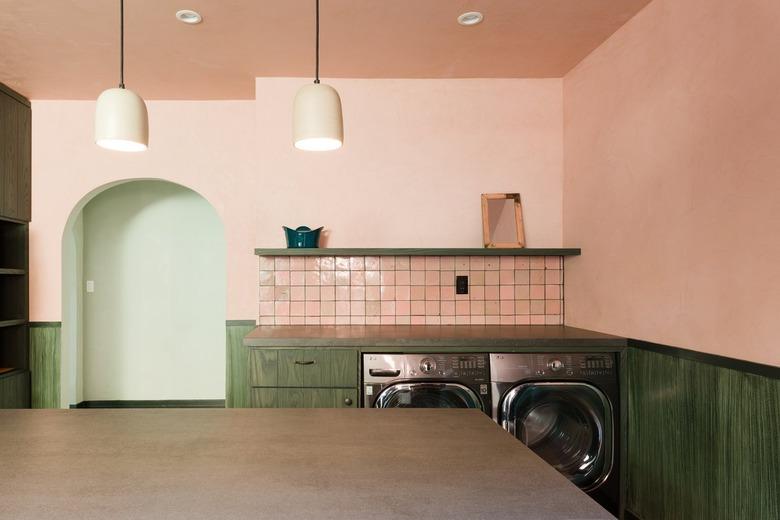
514,367
469,366
386,367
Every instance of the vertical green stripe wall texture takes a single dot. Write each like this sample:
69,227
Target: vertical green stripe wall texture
237,392
45,364
702,440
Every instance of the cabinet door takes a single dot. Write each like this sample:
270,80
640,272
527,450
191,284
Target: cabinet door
346,398
263,365
264,398
15,147
320,397
294,398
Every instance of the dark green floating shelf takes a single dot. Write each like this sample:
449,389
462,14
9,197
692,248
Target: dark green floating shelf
476,251
12,323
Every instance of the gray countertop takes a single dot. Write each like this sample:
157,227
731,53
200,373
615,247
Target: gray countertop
402,337
275,463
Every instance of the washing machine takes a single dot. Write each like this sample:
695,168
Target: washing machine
426,381
565,408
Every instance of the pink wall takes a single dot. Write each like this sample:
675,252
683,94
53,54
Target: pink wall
417,155
671,179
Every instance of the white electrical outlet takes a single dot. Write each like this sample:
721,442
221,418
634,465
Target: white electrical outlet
90,286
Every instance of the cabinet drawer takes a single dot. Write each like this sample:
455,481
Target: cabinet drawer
318,368
291,366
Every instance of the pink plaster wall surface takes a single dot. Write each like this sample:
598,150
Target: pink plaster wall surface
206,146
671,179
417,155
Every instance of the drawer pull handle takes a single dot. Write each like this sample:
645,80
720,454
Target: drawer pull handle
379,372
305,362
348,401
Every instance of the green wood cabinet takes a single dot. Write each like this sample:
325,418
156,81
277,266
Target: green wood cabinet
304,368
303,378
15,155
303,397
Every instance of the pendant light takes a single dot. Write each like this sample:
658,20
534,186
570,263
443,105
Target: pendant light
121,120
317,123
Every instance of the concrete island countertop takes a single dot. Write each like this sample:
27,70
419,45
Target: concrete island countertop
449,337
275,463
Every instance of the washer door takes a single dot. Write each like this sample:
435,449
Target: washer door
567,424
427,395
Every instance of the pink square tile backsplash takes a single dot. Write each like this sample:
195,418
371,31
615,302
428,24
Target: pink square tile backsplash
418,290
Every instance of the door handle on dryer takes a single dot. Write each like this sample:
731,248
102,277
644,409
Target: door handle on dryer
383,372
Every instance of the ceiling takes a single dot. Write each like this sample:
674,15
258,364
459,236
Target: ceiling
68,49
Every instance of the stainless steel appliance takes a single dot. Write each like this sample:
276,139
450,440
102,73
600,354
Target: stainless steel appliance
565,408
426,381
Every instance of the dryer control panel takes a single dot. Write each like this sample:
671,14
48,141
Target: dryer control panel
515,367
462,367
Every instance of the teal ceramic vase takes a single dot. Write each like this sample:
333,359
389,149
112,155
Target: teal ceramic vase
302,236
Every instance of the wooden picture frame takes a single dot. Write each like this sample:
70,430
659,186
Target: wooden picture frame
486,238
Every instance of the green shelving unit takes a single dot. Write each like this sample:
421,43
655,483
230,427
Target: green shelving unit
15,205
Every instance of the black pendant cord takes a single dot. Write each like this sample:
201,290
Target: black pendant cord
317,45
121,43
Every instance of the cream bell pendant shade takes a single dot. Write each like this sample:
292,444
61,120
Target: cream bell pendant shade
121,120
317,118
317,121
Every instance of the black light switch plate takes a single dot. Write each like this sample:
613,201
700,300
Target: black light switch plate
461,285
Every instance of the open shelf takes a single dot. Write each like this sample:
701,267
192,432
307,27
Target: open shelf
472,251
12,272
13,246
12,323
14,335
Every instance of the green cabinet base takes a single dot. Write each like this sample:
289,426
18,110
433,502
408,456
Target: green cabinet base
303,398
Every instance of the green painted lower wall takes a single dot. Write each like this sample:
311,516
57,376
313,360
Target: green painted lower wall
237,391
702,440
45,364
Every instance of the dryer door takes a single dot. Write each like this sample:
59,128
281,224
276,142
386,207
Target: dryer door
569,425
427,395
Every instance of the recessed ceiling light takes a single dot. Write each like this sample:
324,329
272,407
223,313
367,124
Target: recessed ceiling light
470,18
189,16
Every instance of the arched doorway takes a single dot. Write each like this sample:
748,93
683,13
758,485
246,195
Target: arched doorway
143,296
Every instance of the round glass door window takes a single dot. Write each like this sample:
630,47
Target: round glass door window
569,425
427,395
